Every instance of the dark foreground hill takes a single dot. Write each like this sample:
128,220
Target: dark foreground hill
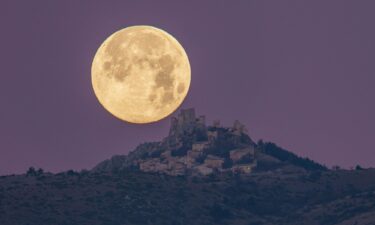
133,197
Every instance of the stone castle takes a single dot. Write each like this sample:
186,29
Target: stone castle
194,148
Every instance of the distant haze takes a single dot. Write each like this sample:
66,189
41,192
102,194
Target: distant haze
298,73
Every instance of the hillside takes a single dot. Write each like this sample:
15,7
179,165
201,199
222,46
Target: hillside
133,197
198,174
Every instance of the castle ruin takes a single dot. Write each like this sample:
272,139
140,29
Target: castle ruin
192,147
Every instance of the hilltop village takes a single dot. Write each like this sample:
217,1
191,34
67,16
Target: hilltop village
192,148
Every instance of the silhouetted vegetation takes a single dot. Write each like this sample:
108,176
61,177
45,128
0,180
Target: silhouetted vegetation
33,172
358,167
288,157
130,197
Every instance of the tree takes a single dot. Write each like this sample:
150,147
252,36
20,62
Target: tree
358,167
71,173
336,167
31,172
34,172
40,171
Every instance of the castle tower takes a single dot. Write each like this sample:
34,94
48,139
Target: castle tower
238,128
186,116
216,124
201,120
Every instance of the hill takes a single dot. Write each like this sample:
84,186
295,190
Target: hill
198,174
135,197
194,148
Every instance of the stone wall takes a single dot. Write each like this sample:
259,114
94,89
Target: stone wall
214,162
238,155
244,168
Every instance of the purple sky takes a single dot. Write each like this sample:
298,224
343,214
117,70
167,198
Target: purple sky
298,73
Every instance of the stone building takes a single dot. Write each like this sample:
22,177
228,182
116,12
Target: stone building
192,158
238,128
201,120
166,155
214,162
197,151
216,124
200,146
212,136
177,166
153,165
186,126
190,148
186,116
244,168
202,170
184,120
243,154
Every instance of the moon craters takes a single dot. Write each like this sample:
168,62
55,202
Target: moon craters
164,78
141,74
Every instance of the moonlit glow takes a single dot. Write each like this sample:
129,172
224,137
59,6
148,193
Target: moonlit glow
141,74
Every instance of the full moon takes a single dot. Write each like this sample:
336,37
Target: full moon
141,74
